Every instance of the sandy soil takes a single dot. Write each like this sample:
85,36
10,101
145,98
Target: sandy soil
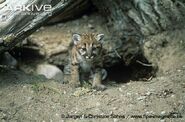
31,98
28,97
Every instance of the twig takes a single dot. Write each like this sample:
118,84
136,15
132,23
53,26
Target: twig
144,64
117,53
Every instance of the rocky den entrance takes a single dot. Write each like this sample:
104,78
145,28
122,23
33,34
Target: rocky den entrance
145,64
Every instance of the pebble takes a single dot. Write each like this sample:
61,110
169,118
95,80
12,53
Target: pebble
148,93
128,93
149,112
85,17
60,25
91,21
111,112
115,108
90,26
24,42
141,98
77,23
37,30
179,70
29,98
1,40
98,104
130,105
128,83
162,120
64,92
163,112
120,89
57,114
115,120
42,28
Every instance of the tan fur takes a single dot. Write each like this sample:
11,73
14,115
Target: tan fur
86,60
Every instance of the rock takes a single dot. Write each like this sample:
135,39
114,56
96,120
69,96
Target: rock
24,42
141,98
90,26
149,113
148,93
163,112
98,104
91,21
115,108
64,92
115,120
1,40
162,120
85,17
128,93
179,70
29,98
42,28
50,72
120,89
8,60
60,25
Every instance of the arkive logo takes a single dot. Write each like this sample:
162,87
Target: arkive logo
29,8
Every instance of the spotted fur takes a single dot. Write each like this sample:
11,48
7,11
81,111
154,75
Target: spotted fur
86,59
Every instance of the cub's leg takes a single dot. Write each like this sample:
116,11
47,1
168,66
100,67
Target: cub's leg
97,79
75,79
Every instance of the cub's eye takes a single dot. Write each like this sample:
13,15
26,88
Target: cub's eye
97,47
83,49
94,48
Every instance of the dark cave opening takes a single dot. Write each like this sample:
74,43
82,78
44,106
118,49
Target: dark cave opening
25,53
136,71
139,70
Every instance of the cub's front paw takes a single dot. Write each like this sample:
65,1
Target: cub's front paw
99,87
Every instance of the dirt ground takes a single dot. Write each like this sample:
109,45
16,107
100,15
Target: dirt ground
28,97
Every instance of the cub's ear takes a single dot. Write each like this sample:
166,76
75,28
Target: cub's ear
76,38
100,37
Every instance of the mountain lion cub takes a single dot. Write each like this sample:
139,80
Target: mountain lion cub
86,59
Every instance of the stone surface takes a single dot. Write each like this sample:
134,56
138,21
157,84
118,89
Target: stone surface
50,72
7,60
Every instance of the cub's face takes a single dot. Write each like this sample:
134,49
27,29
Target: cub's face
89,46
